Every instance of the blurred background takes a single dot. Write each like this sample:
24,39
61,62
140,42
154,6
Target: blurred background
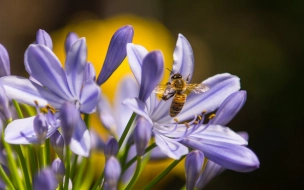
259,41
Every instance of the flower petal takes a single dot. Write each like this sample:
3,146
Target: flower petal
89,72
81,140
221,86
42,64
230,107
75,65
183,58
43,38
105,114
116,52
211,170
138,107
170,147
152,73
4,62
25,91
127,88
89,97
219,134
231,156
21,131
136,54
69,41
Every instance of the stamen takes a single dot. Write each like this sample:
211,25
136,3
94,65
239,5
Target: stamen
187,124
176,120
211,116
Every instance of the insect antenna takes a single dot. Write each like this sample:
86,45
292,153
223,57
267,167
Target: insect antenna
170,72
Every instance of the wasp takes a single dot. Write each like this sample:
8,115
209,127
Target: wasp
178,88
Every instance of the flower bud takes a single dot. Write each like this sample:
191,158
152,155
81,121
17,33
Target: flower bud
142,135
70,40
57,143
193,166
4,104
116,52
230,107
97,143
40,127
112,172
42,37
58,169
111,148
68,117
5,69
45,179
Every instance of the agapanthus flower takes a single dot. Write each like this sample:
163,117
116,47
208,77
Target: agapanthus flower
55,86
174,135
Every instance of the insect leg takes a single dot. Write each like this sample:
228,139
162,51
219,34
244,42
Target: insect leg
167,96
188,78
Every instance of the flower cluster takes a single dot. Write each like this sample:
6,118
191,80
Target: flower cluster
57,102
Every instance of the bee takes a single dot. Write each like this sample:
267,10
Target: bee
178,88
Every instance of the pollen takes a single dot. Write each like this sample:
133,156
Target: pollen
211,116
36,102
176,120
187,124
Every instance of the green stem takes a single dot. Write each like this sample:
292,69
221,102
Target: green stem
163,173
17,107
125,132
98,182
128,164
5,178
74,164
122,159
47,152
24,168
67,167
77,180
86,120
135,176
32,160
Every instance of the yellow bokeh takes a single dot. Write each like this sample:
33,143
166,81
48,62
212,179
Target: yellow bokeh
147,32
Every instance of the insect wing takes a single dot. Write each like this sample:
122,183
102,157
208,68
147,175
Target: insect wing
160,89
197,88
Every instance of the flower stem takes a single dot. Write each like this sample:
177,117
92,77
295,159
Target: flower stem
86,120
5,178
74,164
125,132
67,167
135,176
47,152
77,179
128,164
24,168
17,107
163,173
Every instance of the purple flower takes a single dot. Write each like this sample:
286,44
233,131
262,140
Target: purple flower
142,135
112,172
116,52
111,148
57,143
193,166
43,38
5,111
5,69
56,86
58,169
172,135
45,179
40,127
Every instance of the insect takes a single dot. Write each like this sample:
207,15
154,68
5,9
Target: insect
178,88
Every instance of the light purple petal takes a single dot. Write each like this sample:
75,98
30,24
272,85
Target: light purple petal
21,131
138,107
89,97
183,58
157,154
75,65
152,73
244,134
136,54
45,180
219,134
221,86
170,147
81,140
230,107
42,64
211,170
193,166
70,40
89,72
4,62
25,91
105,114
116,52
234,157
43,38
127,88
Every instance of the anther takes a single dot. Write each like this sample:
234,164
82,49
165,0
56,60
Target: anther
187,124
36,102
211,116
176,120
195,122
199,118
205,111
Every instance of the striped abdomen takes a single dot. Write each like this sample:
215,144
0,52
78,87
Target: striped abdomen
177,104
